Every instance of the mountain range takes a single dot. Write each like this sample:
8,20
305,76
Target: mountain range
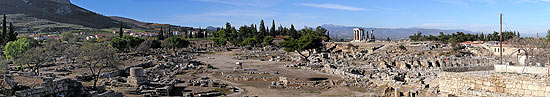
346,32
62,15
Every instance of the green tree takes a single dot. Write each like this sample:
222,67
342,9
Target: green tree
12,34
548,35
307,42
3,39
97,58
293,33
71,53
146,46
67,36
268,40
125,42
263,31
119,43
15,48
161,34
249,41
133,41
175,42
121,32
220,37
272,32
34,58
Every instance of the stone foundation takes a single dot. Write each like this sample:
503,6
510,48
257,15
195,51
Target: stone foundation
487,83
522,69
53,88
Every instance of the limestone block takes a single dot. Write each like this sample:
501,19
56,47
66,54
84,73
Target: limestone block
547,88
538,93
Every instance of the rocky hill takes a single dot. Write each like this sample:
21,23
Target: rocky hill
61,15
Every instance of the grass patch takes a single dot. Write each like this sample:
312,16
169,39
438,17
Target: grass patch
359,89
224,90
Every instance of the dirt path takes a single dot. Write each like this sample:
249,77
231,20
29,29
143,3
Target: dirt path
224,62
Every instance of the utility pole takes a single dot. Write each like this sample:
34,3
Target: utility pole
500,41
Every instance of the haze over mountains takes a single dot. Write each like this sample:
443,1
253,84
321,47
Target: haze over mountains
346,32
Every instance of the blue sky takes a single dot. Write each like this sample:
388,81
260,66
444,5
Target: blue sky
526,16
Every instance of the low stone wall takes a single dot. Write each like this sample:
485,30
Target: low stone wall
521,69
485,83
53,88
108,94
469,68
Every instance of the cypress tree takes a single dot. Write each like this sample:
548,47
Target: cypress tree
4,31
272,32
13,34
161,34
262,29
293,32
201,33
170,30
121,31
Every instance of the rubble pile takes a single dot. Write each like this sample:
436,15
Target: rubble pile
396,68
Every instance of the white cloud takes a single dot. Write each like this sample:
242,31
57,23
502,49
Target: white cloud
332,6
256,3
455,2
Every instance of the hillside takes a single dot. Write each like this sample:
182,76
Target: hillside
62,15
346,32
60,11
135,24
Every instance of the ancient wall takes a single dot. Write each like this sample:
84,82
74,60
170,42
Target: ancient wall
49,87
484,83
521,69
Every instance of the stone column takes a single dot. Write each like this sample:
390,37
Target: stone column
372,34
363,36
367,35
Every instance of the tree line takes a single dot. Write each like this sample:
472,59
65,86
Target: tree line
462,37
252,35
124,42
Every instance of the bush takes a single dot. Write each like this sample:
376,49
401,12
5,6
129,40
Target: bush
145,46
402,47
133,41
268,40
118,43
126,42
68,36
175,42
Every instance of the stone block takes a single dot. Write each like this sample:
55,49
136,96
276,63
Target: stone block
538,93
